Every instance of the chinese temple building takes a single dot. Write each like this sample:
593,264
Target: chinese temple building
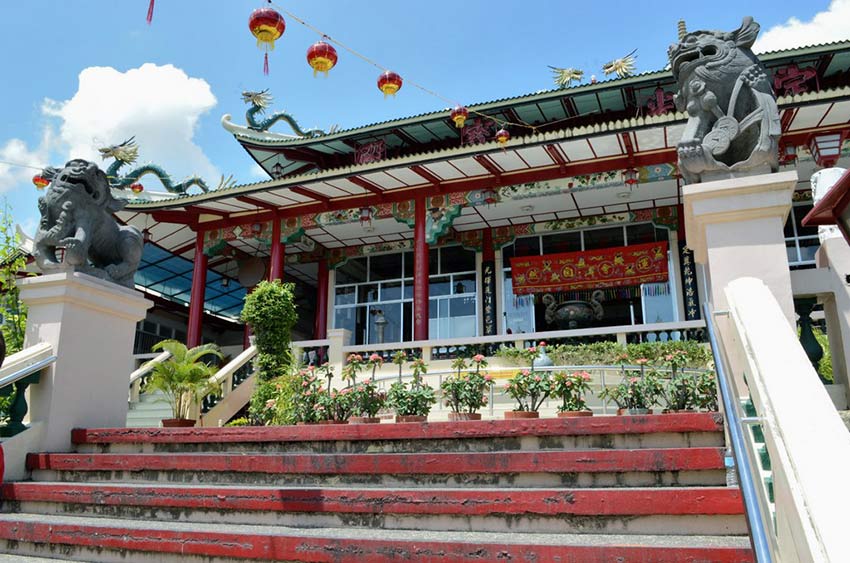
551,212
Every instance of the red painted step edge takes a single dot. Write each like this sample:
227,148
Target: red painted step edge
583,502
318,549
621,461
687,422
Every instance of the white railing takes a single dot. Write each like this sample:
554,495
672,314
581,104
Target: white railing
805,439
19,371
647,332
138,376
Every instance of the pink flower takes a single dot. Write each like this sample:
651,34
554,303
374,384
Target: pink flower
478,358
585,376
568,383
375,358
536,378
633,380
541,343
641,361
533,350
488,377
270,403
526,372
668,357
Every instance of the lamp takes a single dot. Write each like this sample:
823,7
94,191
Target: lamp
257,228
787,154
277,171
825,148
490,197
460,288
225,281
366,219
146,234
436,213
630,176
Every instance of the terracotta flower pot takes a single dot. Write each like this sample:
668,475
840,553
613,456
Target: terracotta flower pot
521,414
634,411
464,416
178,423
333,422
410,418
571,414
364,420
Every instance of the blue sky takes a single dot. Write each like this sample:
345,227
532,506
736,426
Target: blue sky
75,75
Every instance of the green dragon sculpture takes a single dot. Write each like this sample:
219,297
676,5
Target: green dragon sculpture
127,153
260,101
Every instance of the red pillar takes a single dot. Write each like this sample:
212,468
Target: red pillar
320,326
420,272
196,299
278,253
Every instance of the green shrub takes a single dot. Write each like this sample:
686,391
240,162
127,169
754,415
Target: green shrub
270,311
241,421
273,401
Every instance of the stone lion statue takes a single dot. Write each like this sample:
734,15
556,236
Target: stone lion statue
76,216
733,123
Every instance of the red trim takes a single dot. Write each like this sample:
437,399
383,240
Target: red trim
276,546
196,298
420,271
257,202
583,461
829,209
310,193
481,429
474,502
426,174
366,185
320,326
487,250
489,165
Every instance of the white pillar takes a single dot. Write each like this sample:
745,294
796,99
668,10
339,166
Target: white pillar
91,324
736,229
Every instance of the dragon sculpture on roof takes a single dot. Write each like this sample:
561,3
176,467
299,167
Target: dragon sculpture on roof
262,100
127,153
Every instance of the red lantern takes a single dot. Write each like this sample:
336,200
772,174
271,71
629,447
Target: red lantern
389,83
322,57
503,136
631,177
137,188
459,115
40,182
267,25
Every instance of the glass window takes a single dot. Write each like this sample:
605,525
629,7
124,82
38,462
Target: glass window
384,267
440,286
791,249
353,271
456,259
801,242
367,293
562,242
801,211
346,295
385,323
808,249
603,238
408,264
640,234
463,283
433,261
390,291
527,246
408,289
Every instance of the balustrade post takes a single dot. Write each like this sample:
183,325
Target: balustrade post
337,338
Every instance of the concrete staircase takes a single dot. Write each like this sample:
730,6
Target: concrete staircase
148,411
601,489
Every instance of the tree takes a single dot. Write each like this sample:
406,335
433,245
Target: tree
183,378
13,261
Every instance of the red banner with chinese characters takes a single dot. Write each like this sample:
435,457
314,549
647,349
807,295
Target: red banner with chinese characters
591,269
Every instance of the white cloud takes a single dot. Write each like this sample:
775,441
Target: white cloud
159,105
825,27
16,151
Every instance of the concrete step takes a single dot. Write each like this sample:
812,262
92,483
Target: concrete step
641,467
623,432
107,540
672,511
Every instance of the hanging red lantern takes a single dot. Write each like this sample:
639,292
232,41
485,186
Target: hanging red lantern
267,25
630,177
40,181
459,115
137,188
322,57
389,83
503,136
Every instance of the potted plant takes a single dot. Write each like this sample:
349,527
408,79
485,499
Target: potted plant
571,388
465,393
307,402
412,402
680,393
183,378
635,394
335,406
366,398
529,389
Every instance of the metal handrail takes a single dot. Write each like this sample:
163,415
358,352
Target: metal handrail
743,467
26,370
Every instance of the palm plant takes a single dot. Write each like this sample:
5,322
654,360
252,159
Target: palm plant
183,378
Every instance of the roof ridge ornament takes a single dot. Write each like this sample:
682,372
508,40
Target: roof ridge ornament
260,101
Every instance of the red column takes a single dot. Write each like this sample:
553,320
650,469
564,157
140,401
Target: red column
196,299
420,272
278,253
320,326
